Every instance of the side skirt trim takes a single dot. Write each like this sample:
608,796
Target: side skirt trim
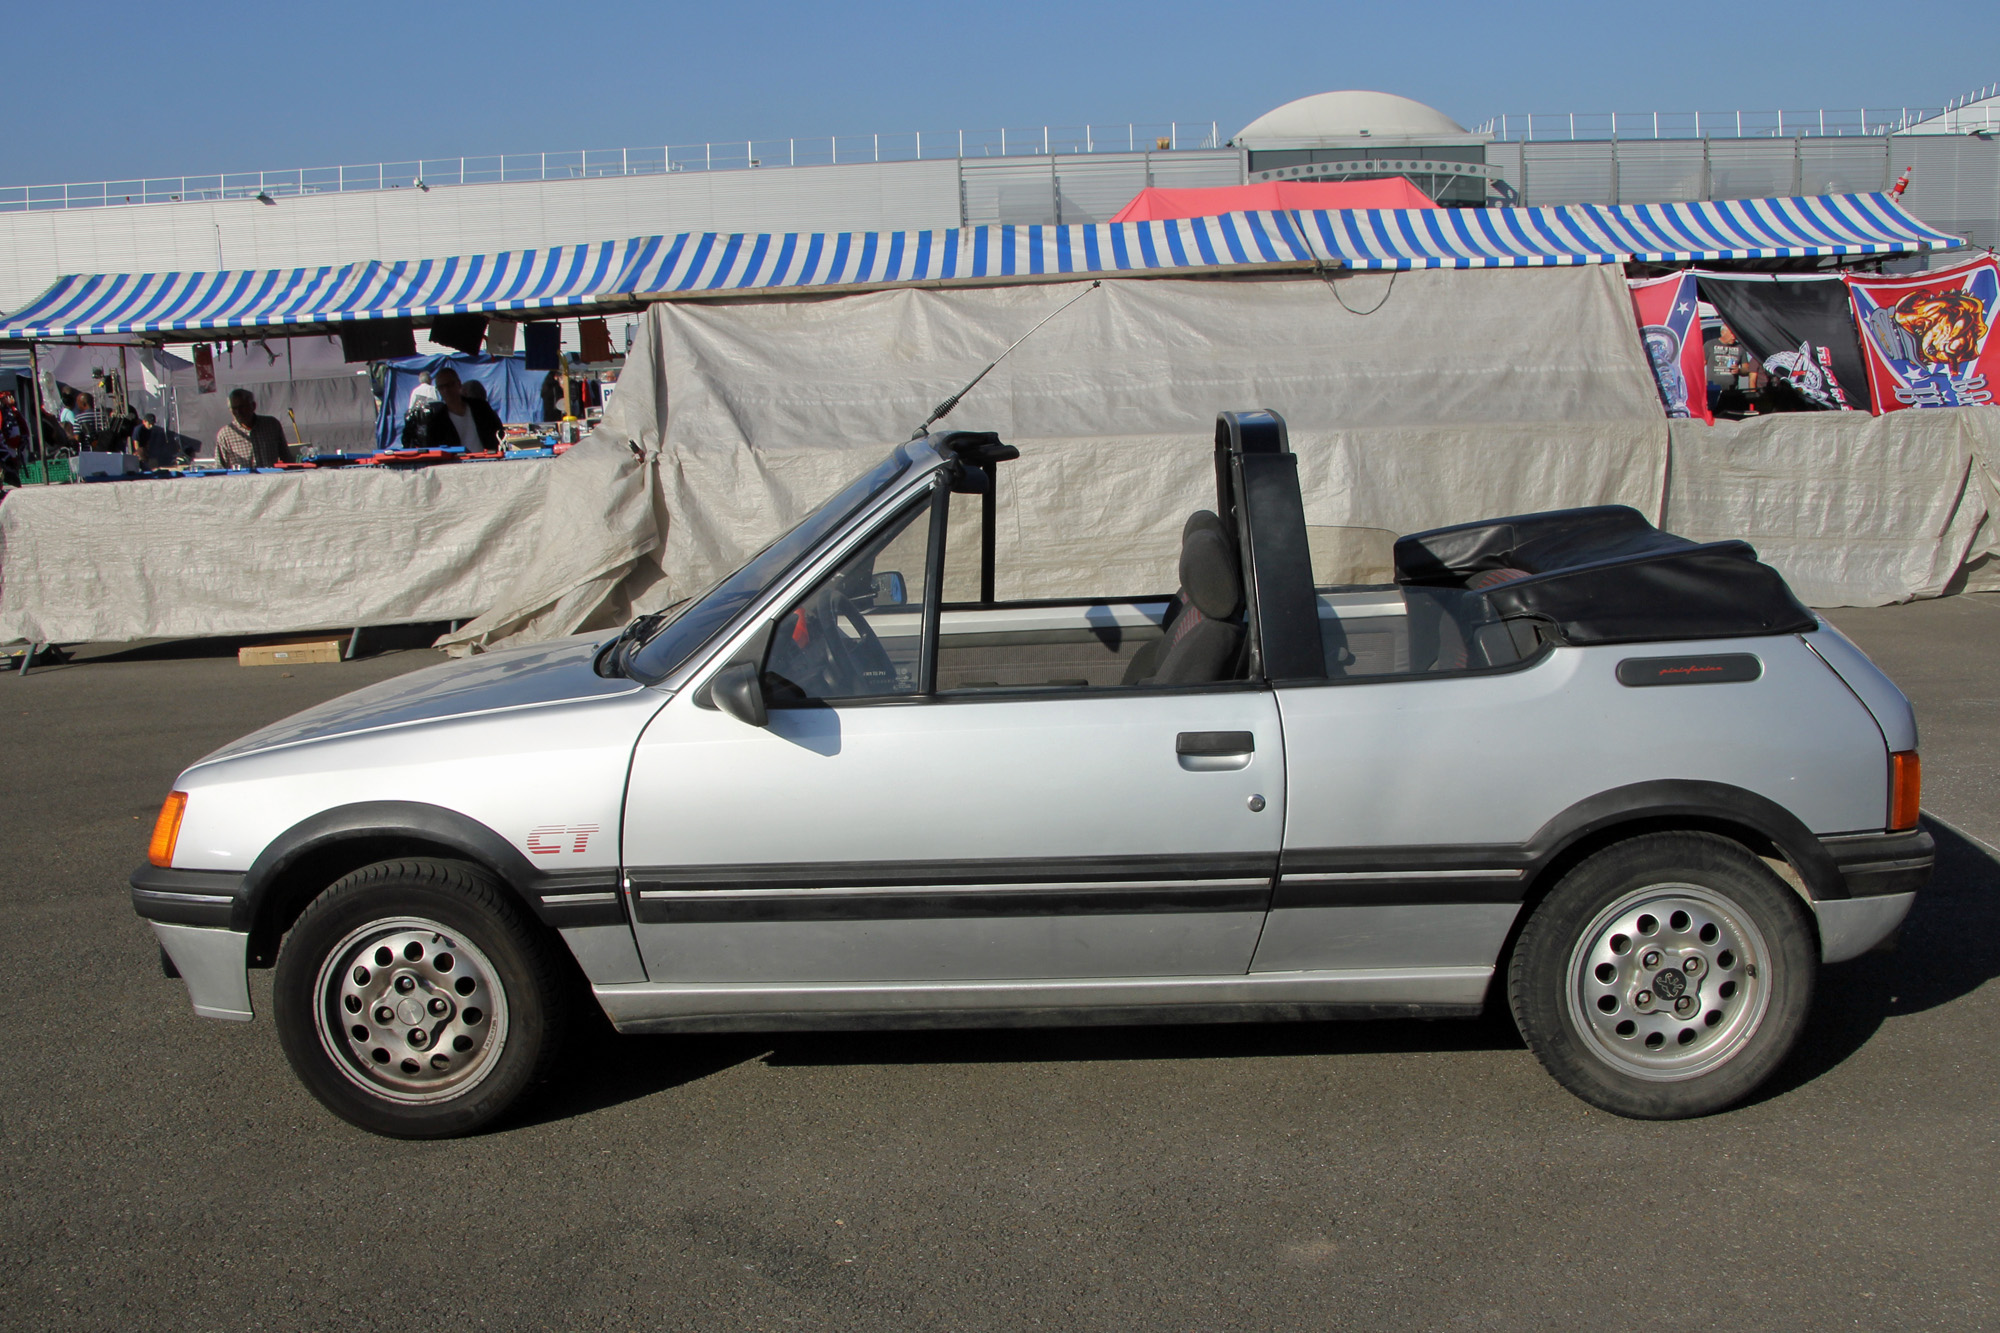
666,1007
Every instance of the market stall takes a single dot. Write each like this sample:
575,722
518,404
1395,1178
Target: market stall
1505,372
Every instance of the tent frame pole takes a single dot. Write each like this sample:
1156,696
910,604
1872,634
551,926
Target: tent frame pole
35,420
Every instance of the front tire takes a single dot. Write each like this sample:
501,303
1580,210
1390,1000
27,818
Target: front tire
1666,976
416,1000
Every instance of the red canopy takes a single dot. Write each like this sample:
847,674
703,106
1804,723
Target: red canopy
1155,205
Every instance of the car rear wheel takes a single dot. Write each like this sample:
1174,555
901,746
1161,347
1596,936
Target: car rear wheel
1666,976
415,999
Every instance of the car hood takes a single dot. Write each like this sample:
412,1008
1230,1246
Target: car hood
542,673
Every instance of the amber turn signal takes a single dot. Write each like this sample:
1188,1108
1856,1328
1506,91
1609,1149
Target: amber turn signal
167,829
1906,780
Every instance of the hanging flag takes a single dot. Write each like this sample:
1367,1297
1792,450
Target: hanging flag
1671,330
204,368
1801,329
1925,336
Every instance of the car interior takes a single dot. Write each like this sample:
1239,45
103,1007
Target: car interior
859,633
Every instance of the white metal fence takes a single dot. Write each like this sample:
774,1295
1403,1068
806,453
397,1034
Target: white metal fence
1577,126
737,154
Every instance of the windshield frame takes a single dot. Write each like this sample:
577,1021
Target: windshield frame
714,613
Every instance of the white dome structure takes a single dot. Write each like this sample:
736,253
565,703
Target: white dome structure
1348,116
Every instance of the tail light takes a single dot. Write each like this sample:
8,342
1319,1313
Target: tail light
1906,780
167,829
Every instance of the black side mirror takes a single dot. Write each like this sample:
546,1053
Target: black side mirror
738,690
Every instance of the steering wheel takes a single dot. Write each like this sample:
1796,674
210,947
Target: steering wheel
813,654
868,665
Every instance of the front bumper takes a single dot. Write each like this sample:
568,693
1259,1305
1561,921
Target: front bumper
214,964
188,897
192,912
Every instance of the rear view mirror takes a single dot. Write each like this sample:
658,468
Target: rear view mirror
738,690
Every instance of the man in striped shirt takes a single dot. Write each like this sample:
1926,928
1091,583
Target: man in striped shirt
248,440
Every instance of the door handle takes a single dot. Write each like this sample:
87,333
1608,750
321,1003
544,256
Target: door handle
1215,742
1214,751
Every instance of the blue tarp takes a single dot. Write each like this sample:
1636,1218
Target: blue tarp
513,389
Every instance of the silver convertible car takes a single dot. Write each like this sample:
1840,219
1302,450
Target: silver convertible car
1619,781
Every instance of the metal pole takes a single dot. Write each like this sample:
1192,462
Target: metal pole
920,145
35,420
878,147
792,148
961,143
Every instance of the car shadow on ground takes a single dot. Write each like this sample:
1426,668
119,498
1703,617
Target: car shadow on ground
1949,947
600,1069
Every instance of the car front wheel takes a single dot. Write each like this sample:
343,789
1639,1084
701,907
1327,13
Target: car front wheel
1665,976
415,999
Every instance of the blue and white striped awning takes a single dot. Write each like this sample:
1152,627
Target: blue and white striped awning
1833,224
96,305
613,274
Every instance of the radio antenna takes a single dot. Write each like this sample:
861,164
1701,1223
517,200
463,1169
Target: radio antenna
943,409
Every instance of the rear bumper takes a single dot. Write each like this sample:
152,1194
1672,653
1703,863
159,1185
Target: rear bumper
1877,864
1882,873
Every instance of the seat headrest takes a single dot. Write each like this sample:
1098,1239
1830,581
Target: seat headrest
1199,519
1209,574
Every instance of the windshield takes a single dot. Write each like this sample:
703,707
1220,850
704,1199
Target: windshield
699,618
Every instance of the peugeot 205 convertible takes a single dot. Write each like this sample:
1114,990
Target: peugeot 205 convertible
1620,781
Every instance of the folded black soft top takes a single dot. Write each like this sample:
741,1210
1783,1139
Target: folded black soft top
1606,575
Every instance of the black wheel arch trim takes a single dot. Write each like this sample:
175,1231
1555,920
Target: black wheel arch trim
421,822
1677,800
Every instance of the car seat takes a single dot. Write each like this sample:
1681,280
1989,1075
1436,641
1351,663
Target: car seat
1205,640
1147,660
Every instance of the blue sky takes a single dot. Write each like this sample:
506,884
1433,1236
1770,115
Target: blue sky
201,86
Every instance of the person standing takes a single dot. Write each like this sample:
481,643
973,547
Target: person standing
455,421
87,421
248,440
153,443
13,441
423,393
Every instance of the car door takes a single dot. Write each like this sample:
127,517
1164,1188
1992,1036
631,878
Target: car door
879,829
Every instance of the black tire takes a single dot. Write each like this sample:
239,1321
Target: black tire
472,992
1666,976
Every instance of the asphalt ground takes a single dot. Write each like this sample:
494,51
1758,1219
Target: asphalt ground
159,1171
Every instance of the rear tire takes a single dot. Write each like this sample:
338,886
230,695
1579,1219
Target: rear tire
1664,977
417,1000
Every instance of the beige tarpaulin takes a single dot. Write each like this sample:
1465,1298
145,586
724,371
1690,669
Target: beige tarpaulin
263,554
1429,398
1854,510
